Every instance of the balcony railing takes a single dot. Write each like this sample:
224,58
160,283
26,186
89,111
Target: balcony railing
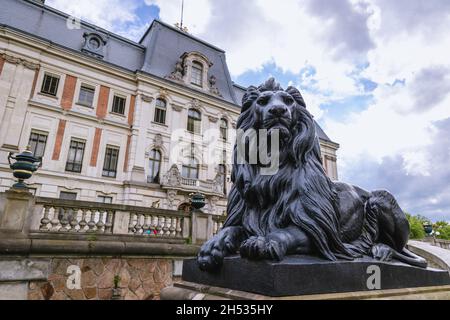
72,217
173,179
69,216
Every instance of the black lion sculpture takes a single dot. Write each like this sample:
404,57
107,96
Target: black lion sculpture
299,210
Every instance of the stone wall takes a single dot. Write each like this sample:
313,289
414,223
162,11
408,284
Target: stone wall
140,279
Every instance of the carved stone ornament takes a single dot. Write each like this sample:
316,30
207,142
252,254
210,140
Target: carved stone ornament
213,119
178,72
195,103
218,183
11,59
158,141
171,196
177,107
173,177
146,98
163,93
15,60
212,86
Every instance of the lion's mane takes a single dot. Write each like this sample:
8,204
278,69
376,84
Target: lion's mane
300,193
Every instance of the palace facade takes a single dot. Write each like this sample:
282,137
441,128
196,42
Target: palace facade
114,120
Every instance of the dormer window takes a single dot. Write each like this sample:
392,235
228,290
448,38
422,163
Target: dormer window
93,44
197,74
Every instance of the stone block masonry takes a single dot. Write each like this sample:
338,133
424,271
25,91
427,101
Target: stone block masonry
137,279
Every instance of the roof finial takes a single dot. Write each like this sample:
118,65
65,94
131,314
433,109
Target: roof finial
180,24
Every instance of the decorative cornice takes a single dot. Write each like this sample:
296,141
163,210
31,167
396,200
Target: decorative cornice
213,119
177,107
15,60
146,98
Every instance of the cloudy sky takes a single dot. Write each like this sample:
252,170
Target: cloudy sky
375,74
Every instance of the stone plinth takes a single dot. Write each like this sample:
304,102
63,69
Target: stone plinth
194,291
306,275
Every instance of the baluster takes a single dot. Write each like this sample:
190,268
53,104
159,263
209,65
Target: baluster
55,219
83,221
160,226
139,223
100,224
131,223
45,220
64,220
154,226
73,220
91,223
173,227
179,229
146,226
109,222
166,227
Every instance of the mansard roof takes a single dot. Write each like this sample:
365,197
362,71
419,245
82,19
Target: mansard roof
156,53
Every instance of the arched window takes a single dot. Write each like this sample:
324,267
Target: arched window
191,167
154,166
194,121
197,74
160,111
223,129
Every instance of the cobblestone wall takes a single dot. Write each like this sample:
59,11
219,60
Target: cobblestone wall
139,279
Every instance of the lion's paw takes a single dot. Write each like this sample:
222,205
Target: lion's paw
275,250
211,255
253,248
382,252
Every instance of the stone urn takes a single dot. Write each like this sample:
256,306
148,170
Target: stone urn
198,201
26,163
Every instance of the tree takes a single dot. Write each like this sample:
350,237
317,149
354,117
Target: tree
416,226
442,229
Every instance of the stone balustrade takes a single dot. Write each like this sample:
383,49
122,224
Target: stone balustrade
444,244
74,216
82,217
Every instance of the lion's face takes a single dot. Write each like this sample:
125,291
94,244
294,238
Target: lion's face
275,110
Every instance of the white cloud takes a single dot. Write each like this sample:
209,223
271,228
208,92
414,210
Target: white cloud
196,13
404,42
104,13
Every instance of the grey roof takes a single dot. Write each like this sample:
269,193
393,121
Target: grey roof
166,44
156,53
51,25
320,133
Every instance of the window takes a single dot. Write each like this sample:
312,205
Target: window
104,199
75,158
191,168
86,97
118,105
197,74
68,195
37,143
154,166
223,129
50,84
194,121
160,111
110,164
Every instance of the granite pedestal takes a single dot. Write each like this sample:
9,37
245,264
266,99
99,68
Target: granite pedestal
306,275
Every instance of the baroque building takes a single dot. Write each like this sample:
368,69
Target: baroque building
115,120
